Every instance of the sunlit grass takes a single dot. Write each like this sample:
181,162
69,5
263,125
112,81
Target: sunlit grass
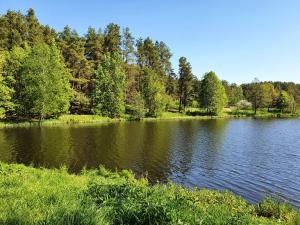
188,113
41,196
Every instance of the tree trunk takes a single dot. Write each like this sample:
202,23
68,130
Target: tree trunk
179,109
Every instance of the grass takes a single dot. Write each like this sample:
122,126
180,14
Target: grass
30,196
64,119
262,113
190,113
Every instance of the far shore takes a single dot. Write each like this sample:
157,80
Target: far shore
95,119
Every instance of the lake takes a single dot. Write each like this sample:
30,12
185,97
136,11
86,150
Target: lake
252,158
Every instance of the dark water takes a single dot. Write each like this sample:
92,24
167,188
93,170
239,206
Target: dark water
252,158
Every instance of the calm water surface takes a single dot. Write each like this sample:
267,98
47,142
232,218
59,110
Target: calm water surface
252,158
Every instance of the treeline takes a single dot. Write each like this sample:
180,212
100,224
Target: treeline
44,73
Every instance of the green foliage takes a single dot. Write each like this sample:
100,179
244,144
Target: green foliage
103,197
153,93
128,50
93,48
82,57
185,82
133,79
270,208
212,95
243,104
108,92
234,93
137,108
5,91
13,30
18,30
260,94
172,84
112,39
44,83
269,94
285,102
165,55
72,48
148,56
35,30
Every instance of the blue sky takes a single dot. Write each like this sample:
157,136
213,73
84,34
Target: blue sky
238,39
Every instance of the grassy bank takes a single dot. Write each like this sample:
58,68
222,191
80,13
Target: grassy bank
189,114
41,196
64,119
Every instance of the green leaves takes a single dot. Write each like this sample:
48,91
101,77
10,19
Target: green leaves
212,94
185,82
153,93
44,83
5,90
285,102
73,51
108,92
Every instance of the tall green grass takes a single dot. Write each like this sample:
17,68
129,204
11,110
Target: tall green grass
54,197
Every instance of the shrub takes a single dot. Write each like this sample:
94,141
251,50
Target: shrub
243,104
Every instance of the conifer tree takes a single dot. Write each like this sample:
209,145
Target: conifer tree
112,39
185,82
128,50
72,47
94,46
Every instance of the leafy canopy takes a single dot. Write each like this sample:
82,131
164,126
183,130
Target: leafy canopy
213,96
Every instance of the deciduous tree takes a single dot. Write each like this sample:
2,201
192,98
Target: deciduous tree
212,94
153,92
44,83
108,93
5,91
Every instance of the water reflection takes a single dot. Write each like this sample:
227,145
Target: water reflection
252,158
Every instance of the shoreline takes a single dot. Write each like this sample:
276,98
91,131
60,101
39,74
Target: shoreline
107,197
94,119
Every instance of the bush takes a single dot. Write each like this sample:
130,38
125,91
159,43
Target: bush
275,209
244,105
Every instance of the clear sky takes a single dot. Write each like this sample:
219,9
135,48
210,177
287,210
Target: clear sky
238,39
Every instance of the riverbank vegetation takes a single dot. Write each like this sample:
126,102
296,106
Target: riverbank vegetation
45,74
104,197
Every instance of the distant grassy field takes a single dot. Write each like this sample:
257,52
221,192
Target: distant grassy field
42,196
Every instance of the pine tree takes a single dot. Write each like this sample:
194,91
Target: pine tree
34,29
13,30
49,34
148,56
112,39
128,50
165,55
184,82
72,47
94,47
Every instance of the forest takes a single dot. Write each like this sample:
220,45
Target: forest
45,73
